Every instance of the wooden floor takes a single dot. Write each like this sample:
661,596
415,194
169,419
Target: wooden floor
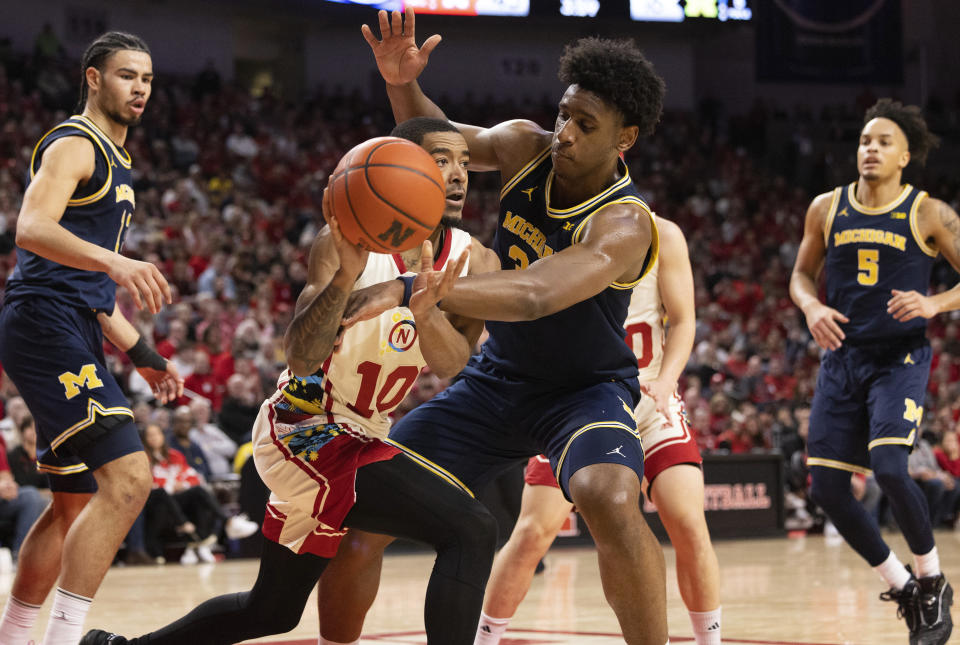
775,591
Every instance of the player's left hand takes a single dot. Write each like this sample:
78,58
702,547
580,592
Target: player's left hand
661,393
907,305
370,302
429,287
166,385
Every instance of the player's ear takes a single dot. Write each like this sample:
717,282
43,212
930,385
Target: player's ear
904,159
93,78
627,137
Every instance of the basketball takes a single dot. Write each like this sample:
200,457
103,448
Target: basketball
387,194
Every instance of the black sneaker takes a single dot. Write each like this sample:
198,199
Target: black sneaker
933,610
907,600
100,637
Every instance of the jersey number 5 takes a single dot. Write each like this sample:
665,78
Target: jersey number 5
642,331
868,264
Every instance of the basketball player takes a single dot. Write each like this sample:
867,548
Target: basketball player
877,239
320,440
671,459
555,376
59,303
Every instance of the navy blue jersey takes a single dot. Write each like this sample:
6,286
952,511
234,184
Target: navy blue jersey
98,212
582,344
869,252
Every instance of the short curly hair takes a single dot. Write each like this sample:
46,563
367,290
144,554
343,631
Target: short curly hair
910,119
619,73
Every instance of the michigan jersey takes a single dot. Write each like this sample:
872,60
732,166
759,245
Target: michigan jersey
579,345
378,360
871,251
98,212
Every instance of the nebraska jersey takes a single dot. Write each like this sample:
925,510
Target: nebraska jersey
644,324
378,360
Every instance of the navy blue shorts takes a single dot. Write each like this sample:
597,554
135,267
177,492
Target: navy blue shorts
54,355
484,423
867,396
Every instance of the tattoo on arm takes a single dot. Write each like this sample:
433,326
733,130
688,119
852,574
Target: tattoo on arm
951,222
313,330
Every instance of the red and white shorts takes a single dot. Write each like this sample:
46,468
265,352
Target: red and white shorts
310,464
663,445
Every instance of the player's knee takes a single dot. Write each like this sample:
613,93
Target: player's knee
687,527
127,485
828,487
532,535
478,529
889,465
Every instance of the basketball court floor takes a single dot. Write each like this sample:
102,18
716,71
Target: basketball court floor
780,591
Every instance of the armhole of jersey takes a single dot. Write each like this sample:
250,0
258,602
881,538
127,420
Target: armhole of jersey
89,199
536,161
828,224
652,253
914,227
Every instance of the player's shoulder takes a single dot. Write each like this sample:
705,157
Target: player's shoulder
482,259
518,141
935,211
69,155
670,233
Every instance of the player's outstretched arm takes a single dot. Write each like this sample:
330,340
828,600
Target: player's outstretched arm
447,340
823,321
612,249
505,147
334,267
939,224
675,283
160,374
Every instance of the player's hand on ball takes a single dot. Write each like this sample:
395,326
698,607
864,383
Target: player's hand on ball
823,322
907,305
431,286
399,59
353,258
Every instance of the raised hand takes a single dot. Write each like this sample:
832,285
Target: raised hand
399,59
431,286
144,282
166,385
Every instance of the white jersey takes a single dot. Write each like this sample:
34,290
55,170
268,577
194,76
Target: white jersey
378,360
644,324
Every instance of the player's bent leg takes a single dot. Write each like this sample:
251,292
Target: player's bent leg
543,510
402,498
907,501
349,585
830,490
678,495
632,570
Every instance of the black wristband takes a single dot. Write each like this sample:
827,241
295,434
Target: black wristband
407,281
142,355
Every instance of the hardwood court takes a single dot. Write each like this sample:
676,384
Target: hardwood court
775,592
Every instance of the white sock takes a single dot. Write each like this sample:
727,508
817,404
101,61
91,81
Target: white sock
490,630
66,618
893,572
18,619
927,565
706,626
324,641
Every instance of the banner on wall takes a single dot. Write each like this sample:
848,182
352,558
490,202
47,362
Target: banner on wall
829,41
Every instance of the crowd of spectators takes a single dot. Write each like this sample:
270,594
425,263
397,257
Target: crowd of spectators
228,188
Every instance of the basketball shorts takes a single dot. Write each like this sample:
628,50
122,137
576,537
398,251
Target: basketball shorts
664,445
310,464
867,397
54,355
484,423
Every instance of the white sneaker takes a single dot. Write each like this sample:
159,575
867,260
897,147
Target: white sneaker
205,554
189,556
240,526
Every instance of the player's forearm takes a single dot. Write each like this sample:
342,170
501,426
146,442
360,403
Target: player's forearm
803,290
676,350
48,239
118,329
948,300
309,339
444,349
409,101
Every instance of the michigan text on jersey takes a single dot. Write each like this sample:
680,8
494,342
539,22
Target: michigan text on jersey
870,235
